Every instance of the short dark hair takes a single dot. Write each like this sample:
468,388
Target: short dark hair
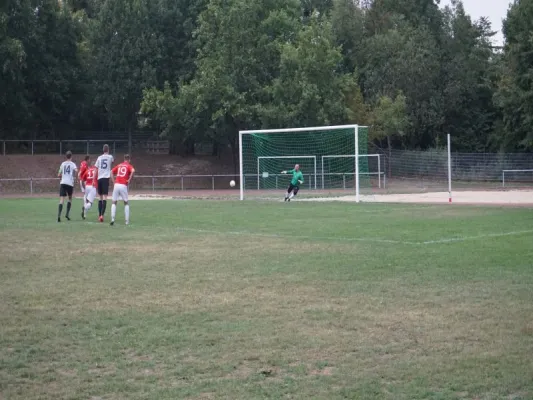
87,157
69,155
106,148
126,157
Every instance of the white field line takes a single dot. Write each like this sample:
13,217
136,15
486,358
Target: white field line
484,236
349,239
277,236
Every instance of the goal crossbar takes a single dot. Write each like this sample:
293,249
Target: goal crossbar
311,129
352,156
282,157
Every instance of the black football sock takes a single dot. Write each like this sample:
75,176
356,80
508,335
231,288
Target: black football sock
60,209
99,208
69,204
104,207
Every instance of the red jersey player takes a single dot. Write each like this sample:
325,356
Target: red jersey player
90,177
124,173
83,167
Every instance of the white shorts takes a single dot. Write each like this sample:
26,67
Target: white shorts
120,191
90,193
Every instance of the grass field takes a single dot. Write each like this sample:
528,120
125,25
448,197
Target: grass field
263,300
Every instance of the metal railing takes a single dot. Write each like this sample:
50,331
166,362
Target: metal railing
59,146
185,182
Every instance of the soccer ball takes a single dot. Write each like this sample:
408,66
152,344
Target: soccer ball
232,183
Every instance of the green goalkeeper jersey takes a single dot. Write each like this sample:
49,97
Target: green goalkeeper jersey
296,176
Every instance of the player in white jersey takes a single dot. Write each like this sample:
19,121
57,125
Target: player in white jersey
104,164
67,172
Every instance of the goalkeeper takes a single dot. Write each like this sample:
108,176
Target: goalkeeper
296,181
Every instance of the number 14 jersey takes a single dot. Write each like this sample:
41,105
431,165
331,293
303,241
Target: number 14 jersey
66,170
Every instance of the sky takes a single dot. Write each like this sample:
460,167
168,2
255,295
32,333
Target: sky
494,10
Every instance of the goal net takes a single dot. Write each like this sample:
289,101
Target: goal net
331,158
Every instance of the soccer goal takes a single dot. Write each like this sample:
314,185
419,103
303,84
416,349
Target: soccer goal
264,153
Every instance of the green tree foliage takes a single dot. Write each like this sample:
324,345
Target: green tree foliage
40,66
515,94
239,48
200,70
310,89
347,20
404,59
469,109
389,119
136,45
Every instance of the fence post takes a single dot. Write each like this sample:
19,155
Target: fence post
153,183
4,147
60,147
114,148
32,147
379,173
276,181
87,147
503,178
182,183
213,181
31,185
344,181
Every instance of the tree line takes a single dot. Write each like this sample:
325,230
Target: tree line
197,71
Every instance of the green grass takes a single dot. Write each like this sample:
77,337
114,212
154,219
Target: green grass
259,300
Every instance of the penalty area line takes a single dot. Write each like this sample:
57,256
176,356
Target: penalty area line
278,236
353,239
484,236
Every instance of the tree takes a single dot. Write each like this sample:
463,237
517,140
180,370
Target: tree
469,110
311,89
405,59
239,46
139,44
347,20
40,66
515,95
389,118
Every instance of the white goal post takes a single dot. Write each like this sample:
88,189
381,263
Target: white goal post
353,156
512,171
282,157
288,131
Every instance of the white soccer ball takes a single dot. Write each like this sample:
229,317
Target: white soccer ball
232,183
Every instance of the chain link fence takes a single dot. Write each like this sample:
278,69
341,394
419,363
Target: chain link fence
409,171
395,172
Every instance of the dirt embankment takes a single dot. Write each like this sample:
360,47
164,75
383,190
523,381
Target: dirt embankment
45,166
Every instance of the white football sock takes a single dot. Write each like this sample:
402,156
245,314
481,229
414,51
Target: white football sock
127,213
291,196
86,208
113,211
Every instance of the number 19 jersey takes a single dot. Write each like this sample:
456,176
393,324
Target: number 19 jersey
103,163
123,172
